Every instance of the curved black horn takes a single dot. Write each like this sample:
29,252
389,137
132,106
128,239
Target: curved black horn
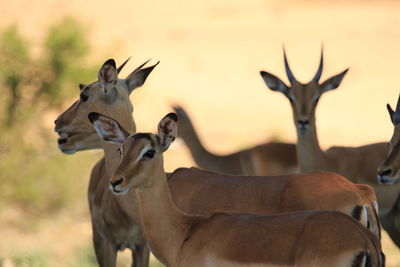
321,65
398,105
289,73
123,65
395,115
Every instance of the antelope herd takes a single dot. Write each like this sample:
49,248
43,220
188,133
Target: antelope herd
276,204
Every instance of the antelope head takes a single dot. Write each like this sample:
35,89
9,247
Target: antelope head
109,95
303,97
141,153
389,171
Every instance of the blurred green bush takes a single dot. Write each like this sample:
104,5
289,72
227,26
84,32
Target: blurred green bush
32,171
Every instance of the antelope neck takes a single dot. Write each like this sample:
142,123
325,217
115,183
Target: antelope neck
190,137
165,226
309,153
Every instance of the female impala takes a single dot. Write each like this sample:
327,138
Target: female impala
201,192
312,238
358,164
115,221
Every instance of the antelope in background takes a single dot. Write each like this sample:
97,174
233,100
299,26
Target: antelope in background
115,220
388,171
358,164
312,238
272,158
201,192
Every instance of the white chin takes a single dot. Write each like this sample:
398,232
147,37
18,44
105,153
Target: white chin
120,193
67,151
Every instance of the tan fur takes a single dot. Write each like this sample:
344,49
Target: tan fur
74,124
201,192
312,238
391,219
358,164
272,158
115,220
206,192
392,160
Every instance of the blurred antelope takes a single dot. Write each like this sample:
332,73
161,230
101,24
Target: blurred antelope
358,164
312,238
115,220
388,171
272,158
201,192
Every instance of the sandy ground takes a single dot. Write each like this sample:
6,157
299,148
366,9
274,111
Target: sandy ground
211,53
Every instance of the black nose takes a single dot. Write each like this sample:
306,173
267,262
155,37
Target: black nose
117,182
62,141
303,123
385,172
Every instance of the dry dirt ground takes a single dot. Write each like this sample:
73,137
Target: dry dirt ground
211,53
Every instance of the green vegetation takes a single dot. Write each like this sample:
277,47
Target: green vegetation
14,62
30,259
65,48
84,257
30,163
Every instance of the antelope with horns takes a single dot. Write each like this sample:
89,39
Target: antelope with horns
201,192
358,164
388,171
272,158
115,220
311,238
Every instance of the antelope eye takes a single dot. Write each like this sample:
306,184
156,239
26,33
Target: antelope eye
149,154
120,151
83,97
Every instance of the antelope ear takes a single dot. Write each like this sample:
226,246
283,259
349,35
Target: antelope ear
274,83
138,76
108,74
167,130
107,128
333,82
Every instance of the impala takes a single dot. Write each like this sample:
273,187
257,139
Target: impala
272,158
388,171
312,238
115,220
201,192
358,164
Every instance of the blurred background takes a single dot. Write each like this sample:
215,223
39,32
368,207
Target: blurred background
211,53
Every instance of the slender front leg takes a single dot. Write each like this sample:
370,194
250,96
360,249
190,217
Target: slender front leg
141,256
106,253
110,255
391,223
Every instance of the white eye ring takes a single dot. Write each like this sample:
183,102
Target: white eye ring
144,151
